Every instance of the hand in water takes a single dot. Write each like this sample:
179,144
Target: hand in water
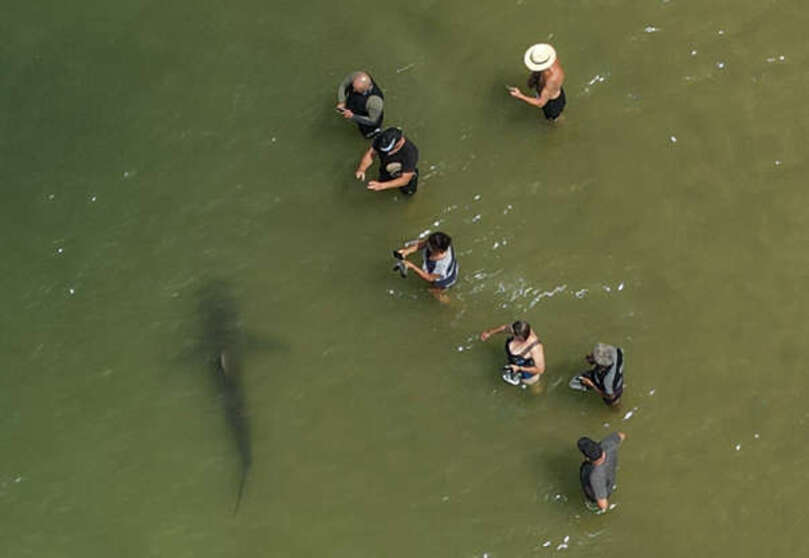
515,92
485,335
347,114
360,175
375,186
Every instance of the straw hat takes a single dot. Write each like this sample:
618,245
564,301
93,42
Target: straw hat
540,57
604,355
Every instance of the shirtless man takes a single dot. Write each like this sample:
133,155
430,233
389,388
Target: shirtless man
546,79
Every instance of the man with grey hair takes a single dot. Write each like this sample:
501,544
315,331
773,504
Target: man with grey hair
607,375
360,100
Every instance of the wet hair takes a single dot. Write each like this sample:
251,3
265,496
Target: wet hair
438,242
386,140
521,329
590,448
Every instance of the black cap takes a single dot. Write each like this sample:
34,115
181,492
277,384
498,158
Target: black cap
385,141
591,449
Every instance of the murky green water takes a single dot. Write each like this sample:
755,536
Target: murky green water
149,151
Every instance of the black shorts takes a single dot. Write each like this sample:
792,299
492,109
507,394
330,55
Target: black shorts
408,189
554,107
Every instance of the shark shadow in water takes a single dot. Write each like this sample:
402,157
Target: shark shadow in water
224,342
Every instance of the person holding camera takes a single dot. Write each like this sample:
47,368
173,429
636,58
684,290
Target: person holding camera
398,158
360,100
439,266
607,375
524,351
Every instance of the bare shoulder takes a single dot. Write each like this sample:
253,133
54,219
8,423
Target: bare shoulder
558,75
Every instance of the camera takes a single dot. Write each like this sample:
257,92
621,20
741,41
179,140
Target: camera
400,264
510,376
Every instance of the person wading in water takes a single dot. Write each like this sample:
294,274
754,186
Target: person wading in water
524,351
398,158
360,100
546,80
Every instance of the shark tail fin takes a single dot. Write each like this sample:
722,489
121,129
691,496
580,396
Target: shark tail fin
241,491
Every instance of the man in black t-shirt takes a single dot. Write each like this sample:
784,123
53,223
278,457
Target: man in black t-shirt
398,158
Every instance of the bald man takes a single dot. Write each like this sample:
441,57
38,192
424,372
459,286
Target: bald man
360,100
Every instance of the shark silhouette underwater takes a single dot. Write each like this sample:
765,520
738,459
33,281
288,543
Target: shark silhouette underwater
223,342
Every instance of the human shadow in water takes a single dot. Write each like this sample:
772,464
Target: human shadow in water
559,469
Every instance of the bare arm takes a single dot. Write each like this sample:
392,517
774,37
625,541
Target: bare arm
366,161
412,246
551,86
538,102
429,277
588,382
395,183
485,334
415,246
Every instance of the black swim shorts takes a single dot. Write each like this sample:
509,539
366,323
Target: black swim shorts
410,188
554,107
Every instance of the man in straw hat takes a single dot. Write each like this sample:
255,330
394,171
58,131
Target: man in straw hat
546,79
607,375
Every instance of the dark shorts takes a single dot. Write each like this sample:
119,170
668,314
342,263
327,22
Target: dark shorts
410,188
554,107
